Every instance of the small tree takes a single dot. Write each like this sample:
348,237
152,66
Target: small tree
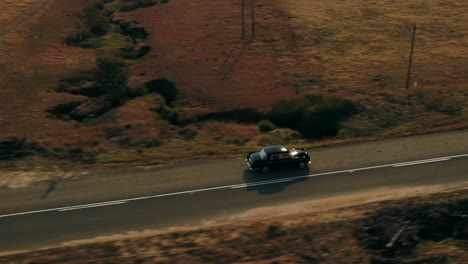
111,78
165,88
96,21
266,126
313,115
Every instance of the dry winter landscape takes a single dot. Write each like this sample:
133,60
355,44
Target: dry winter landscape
125,125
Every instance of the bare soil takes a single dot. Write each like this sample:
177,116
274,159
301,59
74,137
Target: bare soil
412,225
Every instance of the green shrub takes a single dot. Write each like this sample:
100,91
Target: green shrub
128,28
289,112
165,88
325,118
130,53
313,115
63,111
171,114
96,21
266,126
16,148
111,78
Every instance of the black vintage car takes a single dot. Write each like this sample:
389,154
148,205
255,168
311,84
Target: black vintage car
277,156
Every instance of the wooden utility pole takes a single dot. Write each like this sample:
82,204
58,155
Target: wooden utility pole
410,62
243,18
244,7
252,11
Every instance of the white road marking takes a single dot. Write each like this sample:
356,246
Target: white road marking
90,206
234,186
420,162
243,185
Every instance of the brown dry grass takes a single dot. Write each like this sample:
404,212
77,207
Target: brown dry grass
354,49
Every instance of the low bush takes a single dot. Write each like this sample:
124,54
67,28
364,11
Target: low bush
96,24
395,231
171,114
142,51
63,111
134,32
16,148
165,88
266,126
111,77
314,116
130,53
92,108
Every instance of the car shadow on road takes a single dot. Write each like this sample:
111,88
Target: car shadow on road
273,182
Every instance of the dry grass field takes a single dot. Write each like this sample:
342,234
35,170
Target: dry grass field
355,49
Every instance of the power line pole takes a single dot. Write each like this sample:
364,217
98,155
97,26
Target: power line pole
252,11
244,7
243,18
410,62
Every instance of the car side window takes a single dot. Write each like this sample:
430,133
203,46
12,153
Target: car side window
274,157
280,156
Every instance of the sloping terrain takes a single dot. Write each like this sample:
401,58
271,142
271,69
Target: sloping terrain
355,50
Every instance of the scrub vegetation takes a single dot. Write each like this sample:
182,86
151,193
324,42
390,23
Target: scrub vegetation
140,82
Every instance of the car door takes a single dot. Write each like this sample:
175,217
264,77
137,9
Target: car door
281,159
284,159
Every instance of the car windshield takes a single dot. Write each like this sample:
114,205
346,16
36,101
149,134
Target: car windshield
263,155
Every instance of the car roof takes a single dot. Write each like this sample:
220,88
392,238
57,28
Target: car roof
275,149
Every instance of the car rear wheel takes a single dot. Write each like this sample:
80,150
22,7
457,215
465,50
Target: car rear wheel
265,169
302,165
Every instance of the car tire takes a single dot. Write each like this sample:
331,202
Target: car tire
265,169
302,165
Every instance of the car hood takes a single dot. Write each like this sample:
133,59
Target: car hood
299,153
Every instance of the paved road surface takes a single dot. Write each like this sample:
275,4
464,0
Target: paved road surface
112,202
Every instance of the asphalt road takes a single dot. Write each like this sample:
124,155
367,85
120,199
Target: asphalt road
110,202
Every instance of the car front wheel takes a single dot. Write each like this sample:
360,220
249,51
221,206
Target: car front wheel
265,169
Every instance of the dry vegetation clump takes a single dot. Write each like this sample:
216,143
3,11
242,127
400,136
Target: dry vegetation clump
403,231
435,231
12,148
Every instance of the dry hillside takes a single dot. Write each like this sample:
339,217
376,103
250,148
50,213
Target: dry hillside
356,50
